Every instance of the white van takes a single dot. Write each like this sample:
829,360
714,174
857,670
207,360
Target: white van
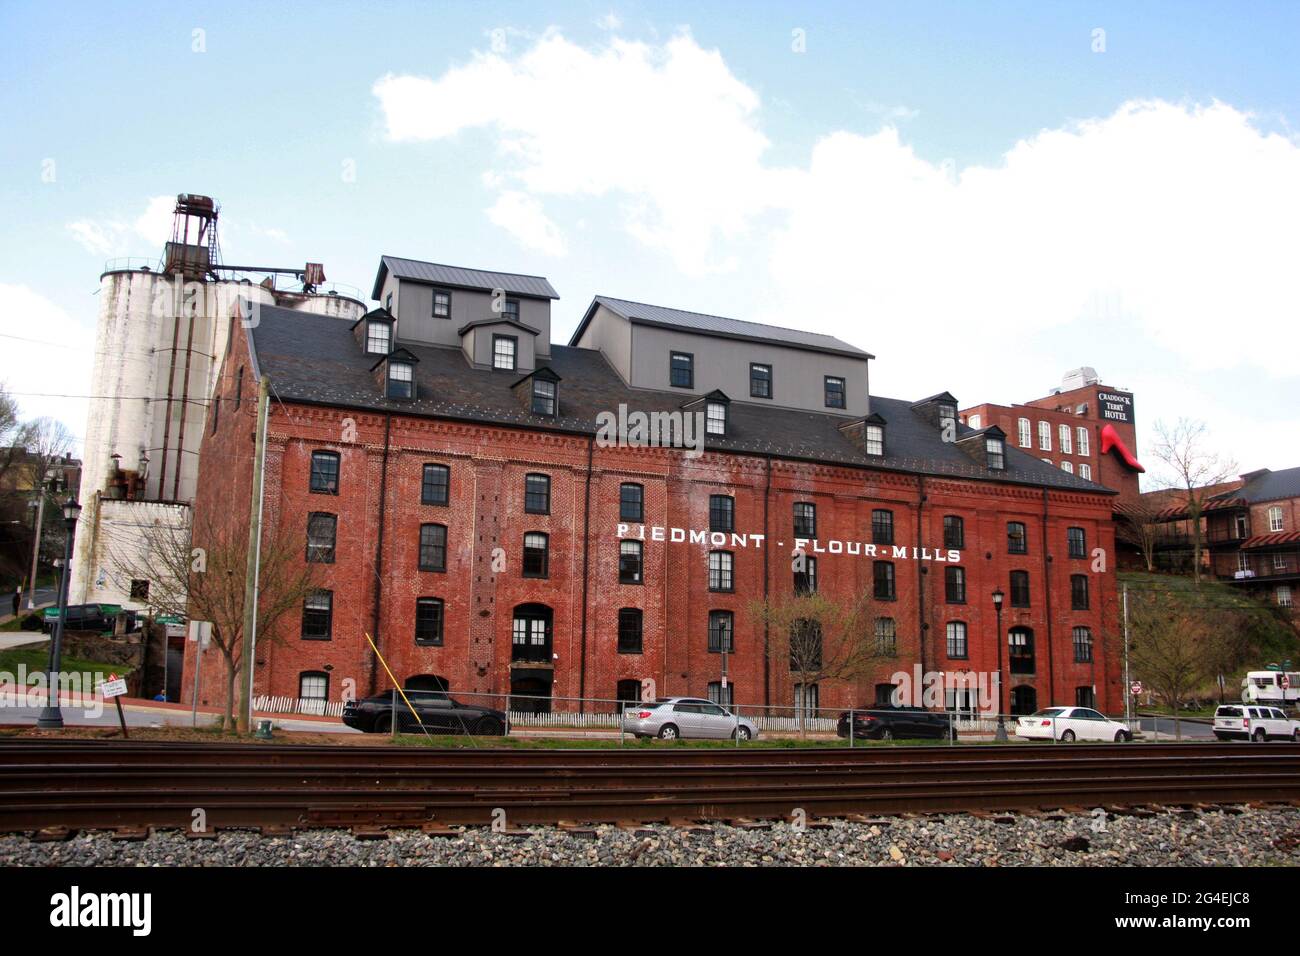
1271,687
1257,723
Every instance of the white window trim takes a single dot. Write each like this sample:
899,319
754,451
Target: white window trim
1044,436
1082,431
1025,433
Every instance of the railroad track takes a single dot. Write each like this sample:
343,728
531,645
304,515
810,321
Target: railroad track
86,784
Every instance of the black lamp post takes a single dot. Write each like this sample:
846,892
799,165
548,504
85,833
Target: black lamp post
1001,732
51,717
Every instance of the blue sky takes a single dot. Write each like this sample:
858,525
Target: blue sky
973,192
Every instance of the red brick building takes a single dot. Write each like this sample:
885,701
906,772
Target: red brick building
453,474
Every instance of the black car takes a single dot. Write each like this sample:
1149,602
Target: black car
898,723
438,712
88,617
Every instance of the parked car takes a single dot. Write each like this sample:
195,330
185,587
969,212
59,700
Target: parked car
687,718
87,617
898,723
1068,724
438,711
1254,722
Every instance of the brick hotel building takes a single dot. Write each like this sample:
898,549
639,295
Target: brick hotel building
440,459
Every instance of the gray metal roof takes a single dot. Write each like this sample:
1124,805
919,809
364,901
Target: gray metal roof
1265,485
717,325
315,359
461,278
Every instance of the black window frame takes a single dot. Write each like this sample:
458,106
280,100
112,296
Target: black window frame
725,573
514,352
688,369
1080,598
433,304
763,367
430,548
630,509
805,581
884,581
626,550
1076,542
954,532
954,585
531,496
882,526
1011,539
547,406
1022,662
323,675
325,555
995,454
718,617
1019,593
886,637
715,511
828,393
325,629
399,388
530,556
1082,648
434,468
426,621
805,520
325,456
631,630
958,649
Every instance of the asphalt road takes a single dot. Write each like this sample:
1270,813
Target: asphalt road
1188,729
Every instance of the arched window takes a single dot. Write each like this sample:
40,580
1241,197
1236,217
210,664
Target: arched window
531,636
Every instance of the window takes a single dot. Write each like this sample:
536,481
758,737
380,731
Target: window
954,532
428,621
1078,592
722,513
875,439
834,390
722,696
721,571
378,336
544,397
715,418
882,526
806,701
1283,594
995,454
760,380
321,529
1076,542
1067,445
629,562
503,352
722,632
1067,466
1045,436
629,692
324,473
317,615
1020,589
537,494
1082,433
388,302
805,581
1017,540
974,421
1275,519
139,589
681,370
1085,470
1023,434
954,585
433,547
441,304
886,636
805,520
1021,645
947,416
536,555
1084,697
882,575
629,630
510,310
1279,564
1082,645
631,502
314,685
435,487
401,380
957,640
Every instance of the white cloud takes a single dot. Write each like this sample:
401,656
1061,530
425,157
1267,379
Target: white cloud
610,21
115,237
521,215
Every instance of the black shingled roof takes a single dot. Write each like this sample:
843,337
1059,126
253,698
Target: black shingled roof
315,359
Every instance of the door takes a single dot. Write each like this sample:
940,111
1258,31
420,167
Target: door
1098,727
688,719
716,723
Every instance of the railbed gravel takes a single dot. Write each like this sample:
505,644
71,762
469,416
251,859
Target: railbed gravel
1239,836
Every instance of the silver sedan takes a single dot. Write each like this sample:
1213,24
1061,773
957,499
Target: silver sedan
674,718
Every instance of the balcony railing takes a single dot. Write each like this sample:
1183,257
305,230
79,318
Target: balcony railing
1241,566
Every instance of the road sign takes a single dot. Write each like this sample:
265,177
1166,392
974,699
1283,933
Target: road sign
1135,688
113,687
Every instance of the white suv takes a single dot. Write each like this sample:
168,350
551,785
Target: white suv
1254,722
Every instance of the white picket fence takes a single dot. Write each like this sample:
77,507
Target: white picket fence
298,705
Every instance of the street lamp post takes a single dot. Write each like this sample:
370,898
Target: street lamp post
1000,733
50,482
51,717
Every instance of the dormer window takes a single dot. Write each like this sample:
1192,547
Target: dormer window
379,337
875,439
834,389
401,380
504,350
544,397
947,415
715,418
995,452
441,304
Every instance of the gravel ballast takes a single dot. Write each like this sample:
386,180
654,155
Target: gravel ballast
1168,838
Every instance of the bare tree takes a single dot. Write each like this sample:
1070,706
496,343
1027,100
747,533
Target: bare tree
1139,525
1169,647
1194,470
200,576
13,437
822,638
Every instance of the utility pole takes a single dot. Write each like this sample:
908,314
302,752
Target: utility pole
248,645
1128,686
